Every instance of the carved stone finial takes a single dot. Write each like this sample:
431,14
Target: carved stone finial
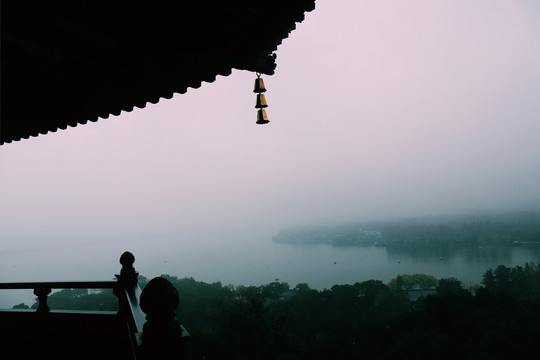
128,275
127,259
159,300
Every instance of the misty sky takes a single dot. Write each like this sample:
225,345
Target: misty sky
378,109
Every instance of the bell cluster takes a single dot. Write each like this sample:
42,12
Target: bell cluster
262,118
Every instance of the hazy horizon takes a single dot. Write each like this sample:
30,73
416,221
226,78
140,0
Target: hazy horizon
377,110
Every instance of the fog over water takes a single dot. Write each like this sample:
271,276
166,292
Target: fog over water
239,260
378,110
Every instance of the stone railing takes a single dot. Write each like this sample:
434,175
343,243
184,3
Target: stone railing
43,289
153,330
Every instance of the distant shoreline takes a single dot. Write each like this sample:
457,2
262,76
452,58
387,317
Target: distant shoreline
512,228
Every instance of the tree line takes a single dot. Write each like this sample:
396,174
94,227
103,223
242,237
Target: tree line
499,319
507,228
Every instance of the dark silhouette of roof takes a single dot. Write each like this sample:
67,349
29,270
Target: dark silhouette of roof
66,63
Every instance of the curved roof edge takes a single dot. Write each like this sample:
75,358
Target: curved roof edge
70,63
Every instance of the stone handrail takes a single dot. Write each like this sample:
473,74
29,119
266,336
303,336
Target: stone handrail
152,332
43,289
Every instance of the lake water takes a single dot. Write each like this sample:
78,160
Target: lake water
244,261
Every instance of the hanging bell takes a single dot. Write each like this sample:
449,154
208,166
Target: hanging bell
261,117
259,85
261,102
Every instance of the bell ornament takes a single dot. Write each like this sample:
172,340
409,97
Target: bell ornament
262,118
259,85
261,102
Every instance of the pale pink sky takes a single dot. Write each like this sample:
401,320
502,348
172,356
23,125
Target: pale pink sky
378,109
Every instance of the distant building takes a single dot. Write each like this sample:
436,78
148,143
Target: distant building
287,295
415,294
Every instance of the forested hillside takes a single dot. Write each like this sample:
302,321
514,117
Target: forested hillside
499,319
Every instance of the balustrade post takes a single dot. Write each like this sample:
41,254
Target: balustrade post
127,281
128,276
42,292
158,335
162,336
